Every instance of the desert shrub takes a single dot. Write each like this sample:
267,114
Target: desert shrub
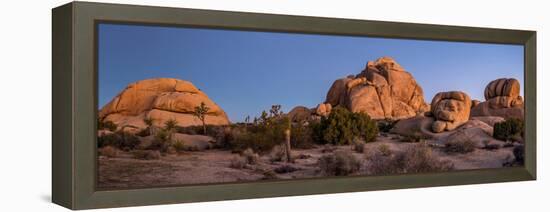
277,154
120,139
519,154
146,154
414,138
358,145
338,164
285,169
178,145
510,129
386,125
109,125
144,132
237,162
269,175
341,126
250,156
260,137
384,149
108,151
111,139
460,146
161,141
301,136
416,159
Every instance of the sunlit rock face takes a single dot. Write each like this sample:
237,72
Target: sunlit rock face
161,99
450,110
501,99
382,90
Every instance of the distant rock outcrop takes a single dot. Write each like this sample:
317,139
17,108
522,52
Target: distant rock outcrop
502,99
299,114
161,99
450,110
382,90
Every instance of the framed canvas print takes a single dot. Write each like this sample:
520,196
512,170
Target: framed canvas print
155,105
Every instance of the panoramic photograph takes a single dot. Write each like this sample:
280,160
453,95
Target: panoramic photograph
187,106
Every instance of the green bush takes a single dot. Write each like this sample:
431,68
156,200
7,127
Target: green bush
386,125
161,141
121,140
261,136
519,154
301,136
508,130
342,126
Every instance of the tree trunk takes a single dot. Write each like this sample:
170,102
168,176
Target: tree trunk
287,145
203,127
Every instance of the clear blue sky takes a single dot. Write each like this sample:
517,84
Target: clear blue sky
247,72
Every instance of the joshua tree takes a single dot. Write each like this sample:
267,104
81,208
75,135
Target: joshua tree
169,126
287,143
275,111
149,123
200,113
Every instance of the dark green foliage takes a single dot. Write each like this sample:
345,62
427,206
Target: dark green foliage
144,133
460,146
121,140
285,169
301,136
519,154
342,126
339,164
109,125
508,130
386,125
261,136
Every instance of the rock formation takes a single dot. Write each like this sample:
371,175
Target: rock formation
382,90
161,99
450,110
501,99
299,114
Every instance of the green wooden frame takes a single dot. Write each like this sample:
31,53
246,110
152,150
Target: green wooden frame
75,104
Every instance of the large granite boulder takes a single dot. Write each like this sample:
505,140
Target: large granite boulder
382,90
299,114
161,99
501,99
450,110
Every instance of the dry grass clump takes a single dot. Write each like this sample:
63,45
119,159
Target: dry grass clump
384,149
146,154
237,162
460,146
415,159
108,151
338,164
278,154
250,156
